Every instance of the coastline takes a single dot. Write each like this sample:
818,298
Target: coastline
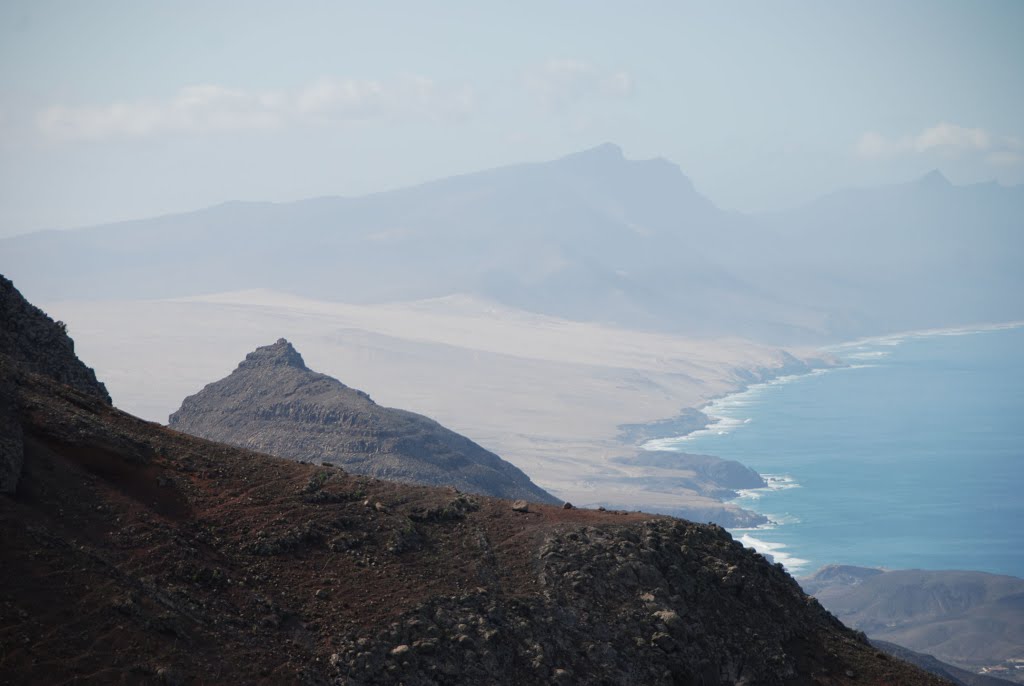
659,433
664,436
901,336
731,415
742,499
660,440
559,399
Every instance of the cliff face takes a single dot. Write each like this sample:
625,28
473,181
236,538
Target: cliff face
36,343
136,554
32,343
274,404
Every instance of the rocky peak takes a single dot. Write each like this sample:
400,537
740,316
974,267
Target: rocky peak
32,341
273,403
279,354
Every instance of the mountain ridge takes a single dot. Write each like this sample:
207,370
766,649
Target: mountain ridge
591,236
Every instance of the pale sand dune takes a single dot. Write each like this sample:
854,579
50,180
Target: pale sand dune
544,393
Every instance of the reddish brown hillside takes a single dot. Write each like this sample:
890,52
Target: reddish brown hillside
136,554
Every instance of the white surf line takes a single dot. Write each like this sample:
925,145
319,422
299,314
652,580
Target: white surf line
775,552
903,336
721,411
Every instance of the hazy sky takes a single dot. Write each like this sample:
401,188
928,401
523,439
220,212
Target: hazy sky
113,110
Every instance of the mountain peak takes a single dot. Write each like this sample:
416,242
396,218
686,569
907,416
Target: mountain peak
31,340
279,354
934,179
273,403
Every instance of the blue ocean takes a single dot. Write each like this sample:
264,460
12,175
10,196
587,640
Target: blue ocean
910,457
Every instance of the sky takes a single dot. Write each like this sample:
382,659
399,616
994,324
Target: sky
112,110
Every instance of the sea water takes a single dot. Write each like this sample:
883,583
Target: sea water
912,456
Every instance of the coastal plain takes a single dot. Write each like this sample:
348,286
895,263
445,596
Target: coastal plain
548,394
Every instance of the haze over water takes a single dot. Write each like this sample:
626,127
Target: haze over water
913,457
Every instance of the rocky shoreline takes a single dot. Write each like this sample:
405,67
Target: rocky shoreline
716,478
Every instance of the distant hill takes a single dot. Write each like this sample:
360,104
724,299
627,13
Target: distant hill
274,404
958,676
969,619
909,256
133,553
592,236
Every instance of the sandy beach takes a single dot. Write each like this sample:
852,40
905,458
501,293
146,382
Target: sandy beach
547,394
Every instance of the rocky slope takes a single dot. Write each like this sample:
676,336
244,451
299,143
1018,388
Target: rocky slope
36,343
31,341
274,404
137,554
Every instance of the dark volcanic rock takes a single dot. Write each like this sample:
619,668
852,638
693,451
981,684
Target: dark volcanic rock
11,444
274,404
36,343
32,343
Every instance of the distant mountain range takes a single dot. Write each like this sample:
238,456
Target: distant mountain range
592,236
273,403
970,619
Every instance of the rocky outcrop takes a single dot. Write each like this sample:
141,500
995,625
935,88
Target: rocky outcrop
35,343
651,602
11,444
32,343
274,404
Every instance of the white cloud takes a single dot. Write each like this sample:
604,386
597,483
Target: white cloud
950,137
949,140
560,82
873,144
212,108
342,99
